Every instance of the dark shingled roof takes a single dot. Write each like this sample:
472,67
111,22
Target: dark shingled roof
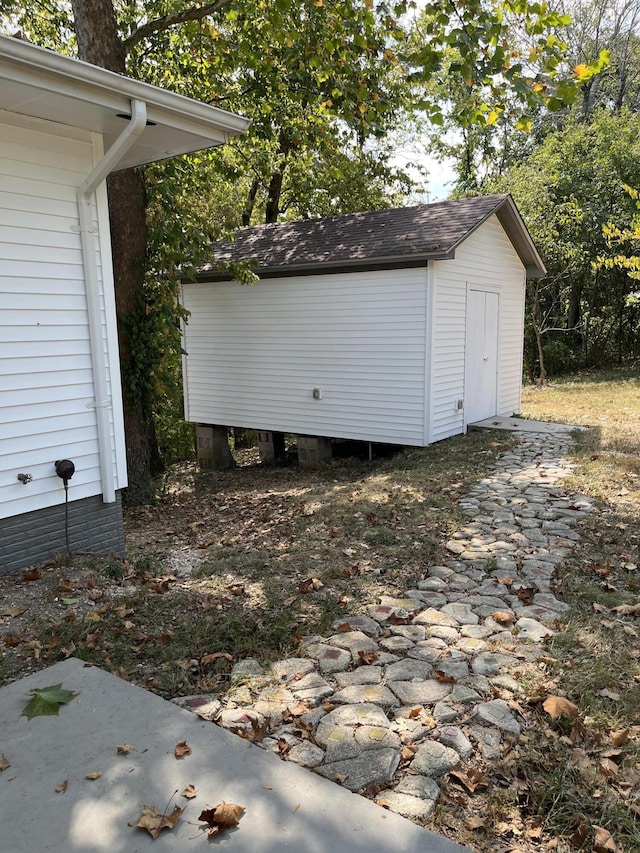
384,237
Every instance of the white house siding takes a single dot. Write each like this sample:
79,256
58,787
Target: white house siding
255,354
488,260
46,378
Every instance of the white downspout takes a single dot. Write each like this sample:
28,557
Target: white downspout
88,231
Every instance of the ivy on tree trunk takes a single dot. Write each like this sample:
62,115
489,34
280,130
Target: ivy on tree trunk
99,43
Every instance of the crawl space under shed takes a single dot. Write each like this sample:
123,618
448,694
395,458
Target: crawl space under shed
397,326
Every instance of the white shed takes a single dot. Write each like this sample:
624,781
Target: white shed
64,126
398,326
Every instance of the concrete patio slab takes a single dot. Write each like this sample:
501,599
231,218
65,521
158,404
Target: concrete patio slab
287,807
524,425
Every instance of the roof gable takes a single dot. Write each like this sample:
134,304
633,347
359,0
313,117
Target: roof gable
383,237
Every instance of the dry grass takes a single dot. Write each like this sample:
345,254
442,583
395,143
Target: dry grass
608,400
257,534
596,660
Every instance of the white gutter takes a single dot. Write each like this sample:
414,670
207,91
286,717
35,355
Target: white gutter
85,197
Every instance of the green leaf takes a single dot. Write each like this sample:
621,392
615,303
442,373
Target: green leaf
47,701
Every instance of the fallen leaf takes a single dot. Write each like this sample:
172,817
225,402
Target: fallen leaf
602,569
473,780
341,777
33,575
620,737
36,648
13,611
190,792
205,660
310,585
603,841
556,706
4,762
223,816
442,676
577,731
297,807
599,608
503,618
615,754
258,730
47,701
283,746
526,593
154,822
608,768
123,749
609,694
580,829
627,610
475,823
93,776
368,657
182,749
62,787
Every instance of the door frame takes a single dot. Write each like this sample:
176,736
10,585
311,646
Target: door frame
484,288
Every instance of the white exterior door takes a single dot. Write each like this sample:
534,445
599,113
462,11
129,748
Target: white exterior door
481,372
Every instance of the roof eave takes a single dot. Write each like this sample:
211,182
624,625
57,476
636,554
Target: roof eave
44,72
320,267
513,223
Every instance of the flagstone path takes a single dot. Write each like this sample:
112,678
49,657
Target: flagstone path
422,683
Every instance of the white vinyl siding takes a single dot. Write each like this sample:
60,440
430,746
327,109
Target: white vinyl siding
255,354
46,379
486,260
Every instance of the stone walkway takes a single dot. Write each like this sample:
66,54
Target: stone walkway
394,699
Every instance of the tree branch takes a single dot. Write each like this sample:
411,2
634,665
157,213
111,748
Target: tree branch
195,13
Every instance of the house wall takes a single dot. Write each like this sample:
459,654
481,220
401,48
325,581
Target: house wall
486,260
255,354
47,405
35,537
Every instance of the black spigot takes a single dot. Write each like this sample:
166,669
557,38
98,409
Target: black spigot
65,469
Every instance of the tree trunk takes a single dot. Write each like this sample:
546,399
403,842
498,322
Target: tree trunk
100,44
272,209
251,200
537,330
97,34
574,310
